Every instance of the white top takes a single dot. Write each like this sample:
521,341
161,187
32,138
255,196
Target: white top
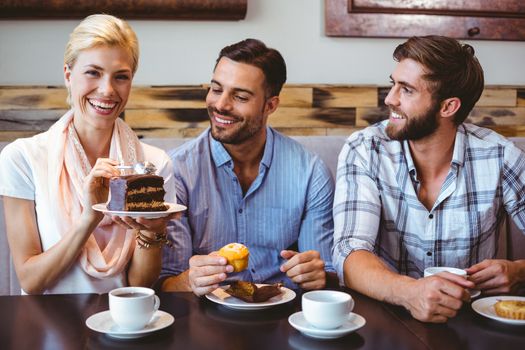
24,174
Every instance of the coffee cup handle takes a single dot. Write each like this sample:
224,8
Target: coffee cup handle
352,304
156,304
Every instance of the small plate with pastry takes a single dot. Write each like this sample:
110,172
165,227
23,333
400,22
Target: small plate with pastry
170,208
241,295
138,195
505,308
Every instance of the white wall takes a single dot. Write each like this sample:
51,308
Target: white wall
183,52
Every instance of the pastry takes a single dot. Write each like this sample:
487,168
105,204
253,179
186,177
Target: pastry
236,254
250,293
513,309
137,193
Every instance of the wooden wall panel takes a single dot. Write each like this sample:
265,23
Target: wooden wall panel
296,97
195,96
341,97
180,111
28,119
498,97
33,98
369,116
521,98
489,117
166,118
312,118
169,132
167,97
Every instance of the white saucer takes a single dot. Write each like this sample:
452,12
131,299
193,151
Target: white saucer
103,323
353,323
172,208
485,307
219,296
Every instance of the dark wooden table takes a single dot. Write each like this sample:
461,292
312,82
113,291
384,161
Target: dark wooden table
58,322
468,330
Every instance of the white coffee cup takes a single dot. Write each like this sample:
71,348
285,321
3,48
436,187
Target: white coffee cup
132,307
326,309
429,271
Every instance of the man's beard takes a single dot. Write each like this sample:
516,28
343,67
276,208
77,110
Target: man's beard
416,127
240,135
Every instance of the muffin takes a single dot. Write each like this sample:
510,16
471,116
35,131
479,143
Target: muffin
236,254
513,309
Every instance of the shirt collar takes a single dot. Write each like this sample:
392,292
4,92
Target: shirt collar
408,157
268,148
458,155
221,156
460,146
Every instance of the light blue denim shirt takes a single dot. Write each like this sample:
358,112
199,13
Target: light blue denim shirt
288,206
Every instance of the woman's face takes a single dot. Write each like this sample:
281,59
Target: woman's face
99,84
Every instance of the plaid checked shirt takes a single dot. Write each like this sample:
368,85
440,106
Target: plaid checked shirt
376,207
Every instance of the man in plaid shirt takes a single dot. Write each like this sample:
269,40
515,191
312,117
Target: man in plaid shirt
425,189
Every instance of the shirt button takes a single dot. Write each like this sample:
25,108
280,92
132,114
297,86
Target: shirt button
431,216
240,211
429,253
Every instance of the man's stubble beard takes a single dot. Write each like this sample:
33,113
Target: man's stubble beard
417,127
244,133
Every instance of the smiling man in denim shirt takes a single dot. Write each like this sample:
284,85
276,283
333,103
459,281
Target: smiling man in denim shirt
244,182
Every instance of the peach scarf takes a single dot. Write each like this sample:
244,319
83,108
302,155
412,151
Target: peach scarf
68,166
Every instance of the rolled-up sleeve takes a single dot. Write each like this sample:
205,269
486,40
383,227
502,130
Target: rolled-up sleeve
357,203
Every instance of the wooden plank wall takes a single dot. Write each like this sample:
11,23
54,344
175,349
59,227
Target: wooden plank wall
179,111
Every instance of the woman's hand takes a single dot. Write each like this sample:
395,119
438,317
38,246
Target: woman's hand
157,225
146,263
96,185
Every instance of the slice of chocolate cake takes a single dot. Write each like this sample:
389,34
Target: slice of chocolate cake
137,193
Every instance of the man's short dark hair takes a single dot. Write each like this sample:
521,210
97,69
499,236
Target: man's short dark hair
451,68
254,52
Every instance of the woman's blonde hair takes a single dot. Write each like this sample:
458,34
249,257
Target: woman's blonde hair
102,30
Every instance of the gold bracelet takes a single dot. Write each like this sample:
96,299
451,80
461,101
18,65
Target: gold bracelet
146,242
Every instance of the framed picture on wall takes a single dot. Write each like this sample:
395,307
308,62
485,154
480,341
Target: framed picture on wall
150,9
461,19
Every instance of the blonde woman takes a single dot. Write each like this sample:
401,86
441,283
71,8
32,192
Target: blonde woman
50,181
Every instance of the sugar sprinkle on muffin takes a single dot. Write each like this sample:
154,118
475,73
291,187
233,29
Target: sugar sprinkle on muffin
237,255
